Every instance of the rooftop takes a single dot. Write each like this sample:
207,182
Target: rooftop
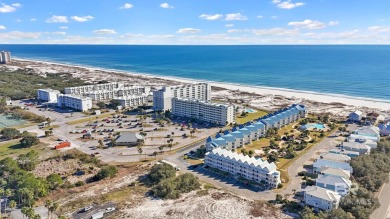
322,193
337,172
129,137
333,180
335,157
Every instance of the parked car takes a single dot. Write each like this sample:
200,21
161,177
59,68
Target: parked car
110,209
87,208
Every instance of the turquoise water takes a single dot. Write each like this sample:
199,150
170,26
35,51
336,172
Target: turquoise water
7,121
360,71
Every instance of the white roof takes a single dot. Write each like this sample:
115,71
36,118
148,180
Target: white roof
333,180
358,112
355,145
335,157
259,163
336,172
322,193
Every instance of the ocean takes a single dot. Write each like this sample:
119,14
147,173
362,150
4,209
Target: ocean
352,70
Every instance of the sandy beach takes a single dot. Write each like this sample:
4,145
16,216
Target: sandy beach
256,97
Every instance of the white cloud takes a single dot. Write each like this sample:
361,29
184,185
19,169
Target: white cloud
188,30
287,4
333,23
307,24
236,17
166,5
378,29
126,6
229,25
58,33
260,16
63,27
276,32
82,19
2,27
104,31
238,30
211,17
20,35
9,8
274,17
33,19
57,19
19,20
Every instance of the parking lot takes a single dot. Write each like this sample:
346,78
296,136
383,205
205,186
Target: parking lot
81,214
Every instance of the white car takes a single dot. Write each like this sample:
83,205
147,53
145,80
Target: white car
110,209
87,208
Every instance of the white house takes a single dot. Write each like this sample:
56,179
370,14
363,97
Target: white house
329,171
366,132
355,116
359,147
247,167
321,198
384,129
321,163
335,157
337,184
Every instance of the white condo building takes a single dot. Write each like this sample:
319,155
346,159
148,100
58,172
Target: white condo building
5,57
132,101
247,167
48,95
74,101
203,110
82,90
162,99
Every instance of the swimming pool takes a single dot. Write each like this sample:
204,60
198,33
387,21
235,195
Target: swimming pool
250,110
313,126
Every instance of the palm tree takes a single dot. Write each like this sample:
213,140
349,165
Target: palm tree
7,193
140,151
161,148
53,208
12,204
48,204
155,154
24,211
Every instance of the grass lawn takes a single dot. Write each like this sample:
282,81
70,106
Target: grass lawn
194,161
250,117
256,145
50,127
91,118
13,149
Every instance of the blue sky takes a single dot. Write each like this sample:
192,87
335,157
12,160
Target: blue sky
195,22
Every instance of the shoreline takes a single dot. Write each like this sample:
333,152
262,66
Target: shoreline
295,95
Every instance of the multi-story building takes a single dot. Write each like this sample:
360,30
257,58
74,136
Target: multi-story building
252,131
132,101
207,111
48,95
321,198
5,57
367,132
100,95
162,99
247,167
321,163
337,184
74,101
132,90
359,147
82,90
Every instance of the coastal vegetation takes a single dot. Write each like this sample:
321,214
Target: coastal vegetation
23,84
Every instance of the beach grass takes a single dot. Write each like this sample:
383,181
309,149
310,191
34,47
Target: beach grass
250,117
256,145
13,149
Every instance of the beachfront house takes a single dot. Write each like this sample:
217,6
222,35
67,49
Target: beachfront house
329,171
47,95
335,157
366,132
321,198
361,148
337,184
345,152
284,116
384,129
321,163
355,116
244,166
373,117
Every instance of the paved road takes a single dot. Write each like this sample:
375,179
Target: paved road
383,212
96,209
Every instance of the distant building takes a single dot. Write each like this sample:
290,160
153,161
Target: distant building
321,198
329,171
47,95
74,101
240,165
350,154
320,163
207,111
5,57
132,101
83,90
355,116
284,116
129,139
384,129
162,99
337,184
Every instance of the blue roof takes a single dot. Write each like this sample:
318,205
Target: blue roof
226,132
252,128
220,141
229,138
259,125
234,129
218,135
237,134
209,139
245,131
